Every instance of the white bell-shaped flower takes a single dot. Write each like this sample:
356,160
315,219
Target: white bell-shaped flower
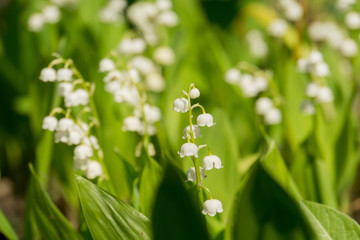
50,123
93,170
260,83
114,75
48,75
76,98
143,64
194,93
308,108
133,124
155,82
325,95
91,142
64,74
248,85
181,105
278,28
76,134
164,55
196,131
211,161
211,207
36,22
312,89
64,89
83,152
51,14
205,119
188,150
321,69
152,113
315,57
65,124
302,65
349,48
132,46
273,116
168,18
263,105
233,76
106,65
191,174
352,20
134,75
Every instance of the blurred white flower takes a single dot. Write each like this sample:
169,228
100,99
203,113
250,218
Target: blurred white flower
321,69
325,95
83,152
273,116
65,124
345,4
106,65
233,76
155,82
48,75
302,65
152,113
263,105
257,44
315,57
93,169
308,108
132,124
143,64
51,14
168,18
188,150
114,75
349,48
64,74
76,98
312,89
132,46
352,20
164,5
211,207
278,28
50,123
164,55
36,22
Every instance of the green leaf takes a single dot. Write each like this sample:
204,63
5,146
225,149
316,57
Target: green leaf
109,217
175,215
49,221
263,210
5,228
149,182
329,223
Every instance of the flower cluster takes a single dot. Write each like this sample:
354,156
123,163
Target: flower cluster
49,14
148,17
254,83
190,149
335,36
113,11
316,90
73,120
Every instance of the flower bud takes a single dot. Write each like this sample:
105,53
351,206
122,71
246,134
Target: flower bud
273,116
106,65
263,105
194,93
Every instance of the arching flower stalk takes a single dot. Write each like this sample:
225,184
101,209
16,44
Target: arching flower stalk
190,149
75,117
258,84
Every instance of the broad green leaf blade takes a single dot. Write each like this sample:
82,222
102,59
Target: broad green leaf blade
149,182
329,223
49,221
5,228
263,210
109,217
175,215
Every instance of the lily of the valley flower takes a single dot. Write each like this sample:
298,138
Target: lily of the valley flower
211,207
191,174
188,150
181,105
211,161
50,123
196,132
205,119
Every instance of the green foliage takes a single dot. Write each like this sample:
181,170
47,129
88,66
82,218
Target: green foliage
108,217
176,214
5,228
330,223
